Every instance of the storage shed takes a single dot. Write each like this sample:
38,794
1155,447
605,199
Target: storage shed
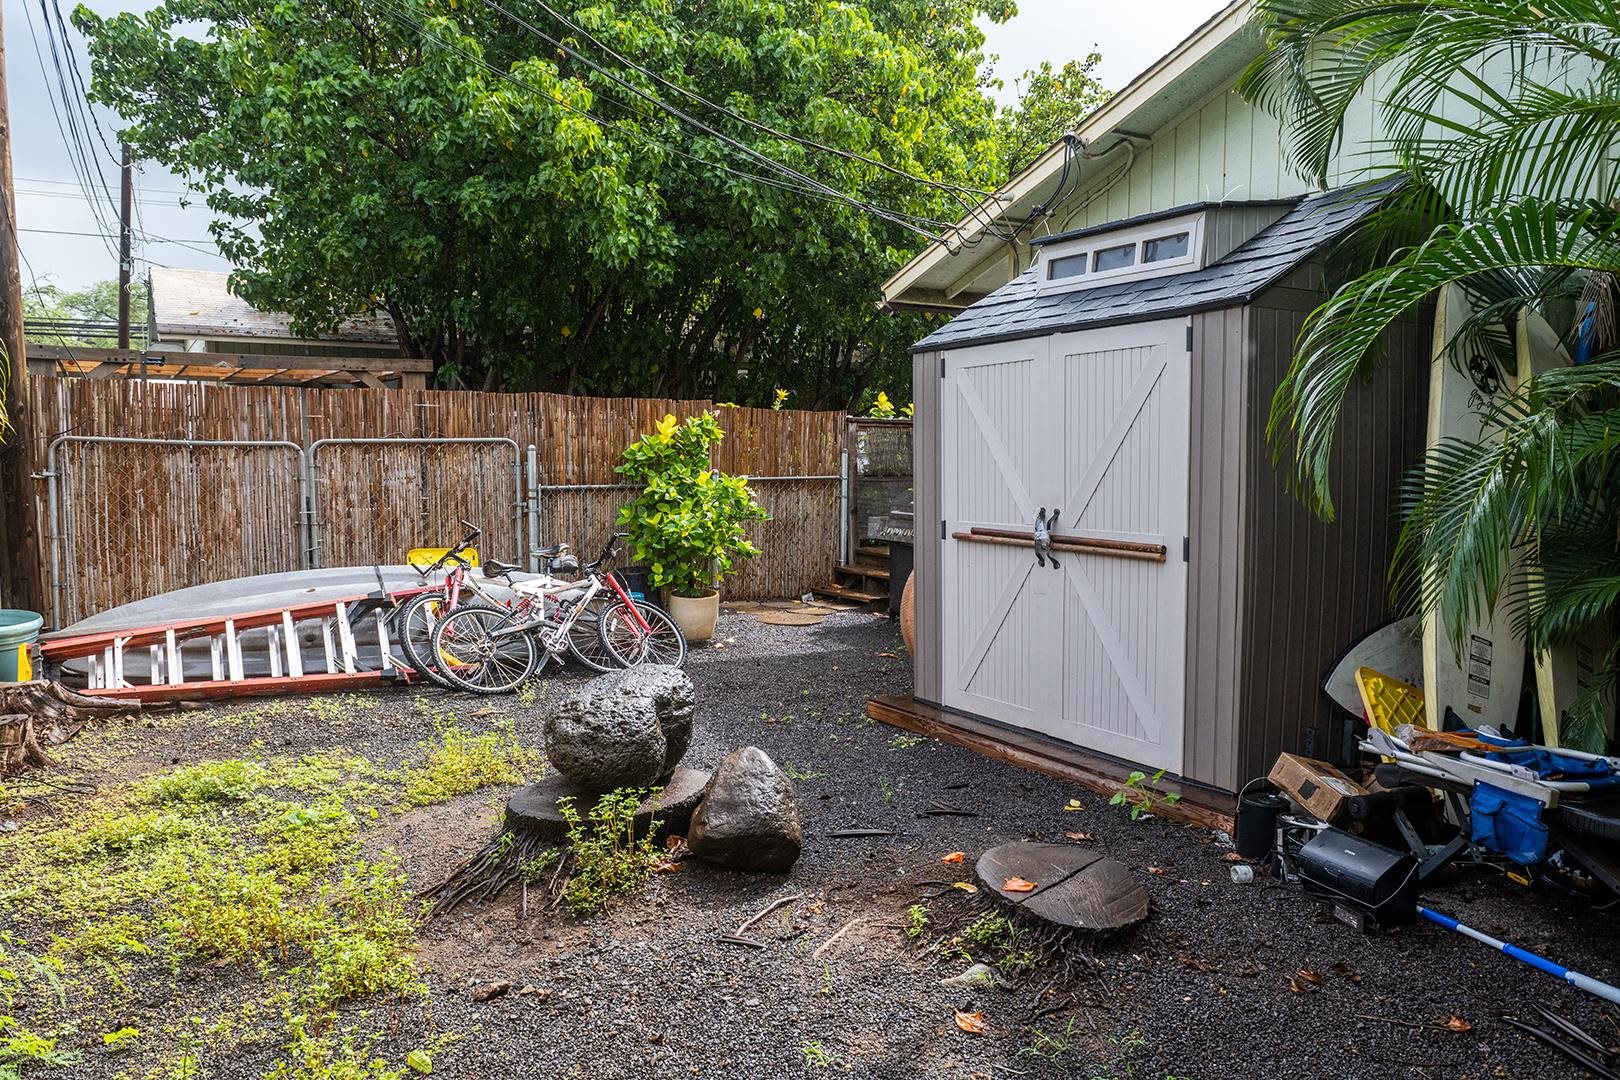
1189,604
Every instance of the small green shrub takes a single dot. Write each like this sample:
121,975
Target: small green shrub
22,1050
608,859
1143,795
916,921
206,782
460,763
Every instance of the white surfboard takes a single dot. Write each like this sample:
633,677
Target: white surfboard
1568,669
1482,686
1393,649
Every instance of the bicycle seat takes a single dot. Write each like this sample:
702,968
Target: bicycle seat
494,568
552,551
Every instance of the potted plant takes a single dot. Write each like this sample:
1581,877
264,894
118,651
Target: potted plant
688,522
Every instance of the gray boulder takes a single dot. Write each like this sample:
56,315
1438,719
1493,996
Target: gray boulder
749,817
625,729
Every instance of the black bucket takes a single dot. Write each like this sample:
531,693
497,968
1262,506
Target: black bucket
1257,823
637,581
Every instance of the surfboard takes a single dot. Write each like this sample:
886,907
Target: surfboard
1483,684
1394,649
1568,669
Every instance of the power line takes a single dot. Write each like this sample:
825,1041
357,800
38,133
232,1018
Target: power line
812,144
828,195
896,217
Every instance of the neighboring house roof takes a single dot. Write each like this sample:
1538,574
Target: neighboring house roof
943,277
200,304
1020,310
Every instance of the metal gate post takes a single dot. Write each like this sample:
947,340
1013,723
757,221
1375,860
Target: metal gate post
533,462
843,507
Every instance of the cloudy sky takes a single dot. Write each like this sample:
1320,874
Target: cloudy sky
62,232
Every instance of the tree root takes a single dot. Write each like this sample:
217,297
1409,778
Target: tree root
36,715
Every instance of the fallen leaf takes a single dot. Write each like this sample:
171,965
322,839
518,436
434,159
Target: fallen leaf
1073,804
1295,985
890,655
1156,870
953,857
972,1023
1457,1024
666,866
1079,836
674,843
1312,977
1195,963
965,886
1018,884
1232,856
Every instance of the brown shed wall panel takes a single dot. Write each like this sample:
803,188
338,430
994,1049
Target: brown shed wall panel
926,457
1310,587
1215,578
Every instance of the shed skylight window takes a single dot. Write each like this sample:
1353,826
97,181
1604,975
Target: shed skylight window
1067,267
1164,248
1095,258
1115,258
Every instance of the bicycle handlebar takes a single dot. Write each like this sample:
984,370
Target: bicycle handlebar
454,554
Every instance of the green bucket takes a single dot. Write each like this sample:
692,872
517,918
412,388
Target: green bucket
18,628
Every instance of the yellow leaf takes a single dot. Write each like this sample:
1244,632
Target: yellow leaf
759,313
953,857
1073,804
966,886
1018,884
972,1023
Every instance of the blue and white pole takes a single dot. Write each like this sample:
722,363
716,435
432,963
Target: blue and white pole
1574,978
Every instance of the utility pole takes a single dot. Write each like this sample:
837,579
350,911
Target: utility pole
19,581
126,196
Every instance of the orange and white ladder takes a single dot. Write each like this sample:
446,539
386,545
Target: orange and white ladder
339,665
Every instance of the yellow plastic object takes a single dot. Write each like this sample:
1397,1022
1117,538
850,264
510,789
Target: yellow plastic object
1389,701
422,558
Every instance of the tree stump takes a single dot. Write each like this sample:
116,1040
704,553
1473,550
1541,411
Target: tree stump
1076,888
34,715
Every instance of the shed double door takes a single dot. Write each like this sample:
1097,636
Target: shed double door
1094,425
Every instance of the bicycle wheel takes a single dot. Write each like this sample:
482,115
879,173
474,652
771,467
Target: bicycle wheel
585,639
474,654
661,643
415,630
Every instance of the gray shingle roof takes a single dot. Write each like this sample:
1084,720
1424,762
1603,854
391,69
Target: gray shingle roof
1019,310
200,304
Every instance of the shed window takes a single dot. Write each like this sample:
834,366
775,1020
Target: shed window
1161,248
1067,267
1114,258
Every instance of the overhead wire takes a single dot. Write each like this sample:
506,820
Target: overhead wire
895,217
974,210
820,192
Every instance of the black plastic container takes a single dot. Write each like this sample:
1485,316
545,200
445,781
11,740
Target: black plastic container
637,580
1256,830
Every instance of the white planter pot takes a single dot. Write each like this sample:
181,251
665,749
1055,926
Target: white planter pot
695,615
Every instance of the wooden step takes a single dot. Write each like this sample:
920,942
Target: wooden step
844,592
877,573
875,553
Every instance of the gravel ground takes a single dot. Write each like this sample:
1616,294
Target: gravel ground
1202,990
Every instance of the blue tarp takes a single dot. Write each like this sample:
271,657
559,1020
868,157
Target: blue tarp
1508,823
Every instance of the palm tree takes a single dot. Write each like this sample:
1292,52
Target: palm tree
1505,119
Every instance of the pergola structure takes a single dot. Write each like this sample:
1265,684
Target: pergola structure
265,369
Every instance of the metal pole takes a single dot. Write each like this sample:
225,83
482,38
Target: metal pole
533,460
843,507
126,196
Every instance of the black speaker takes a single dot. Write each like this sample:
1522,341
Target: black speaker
1375,880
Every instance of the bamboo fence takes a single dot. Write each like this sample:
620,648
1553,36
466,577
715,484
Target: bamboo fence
133,520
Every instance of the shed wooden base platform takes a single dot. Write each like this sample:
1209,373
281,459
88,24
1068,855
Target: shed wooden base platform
1198,806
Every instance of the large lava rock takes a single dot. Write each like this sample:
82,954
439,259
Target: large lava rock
749,818
624,729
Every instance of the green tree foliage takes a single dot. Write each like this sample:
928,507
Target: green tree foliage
531,222
1503,115
1051,103
97,303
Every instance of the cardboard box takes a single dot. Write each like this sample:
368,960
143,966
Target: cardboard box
1317,786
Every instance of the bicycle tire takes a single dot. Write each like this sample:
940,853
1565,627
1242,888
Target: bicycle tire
415,631
585,640
488,665
621,636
